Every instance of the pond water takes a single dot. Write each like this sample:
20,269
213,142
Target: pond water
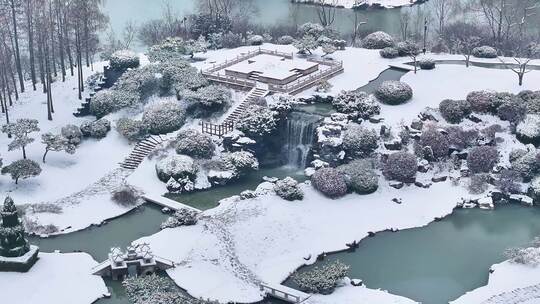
443,260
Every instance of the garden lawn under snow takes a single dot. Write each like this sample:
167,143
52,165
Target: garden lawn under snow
65,179
55,278
242,243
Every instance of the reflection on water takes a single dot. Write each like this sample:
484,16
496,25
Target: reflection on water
444,260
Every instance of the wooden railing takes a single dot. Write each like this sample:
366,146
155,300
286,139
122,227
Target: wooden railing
306,81
230,80
217,130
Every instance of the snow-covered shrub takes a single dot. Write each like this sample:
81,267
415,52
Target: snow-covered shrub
407,48
126,195
109,101
131,129
359,141
156,289
532,100
258,122
360,176
22,169
164,117
527,256
255,40
179,75
454,111
124,59
72,133
401,166
514,111
231,40
285,40
529,129
241,162
358,103
484,52
508,182
478,183
329,182
394,92
434,140
340,44
460,139
207,100
378,40
426,63
323,87
182,217
96,129
288,189
177,167
195,144
323,279
483,101
142,81
389,53
482,159
527,163
534,190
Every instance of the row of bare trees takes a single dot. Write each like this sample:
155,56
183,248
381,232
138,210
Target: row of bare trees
43,40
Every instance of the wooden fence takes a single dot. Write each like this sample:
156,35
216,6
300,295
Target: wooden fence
217,130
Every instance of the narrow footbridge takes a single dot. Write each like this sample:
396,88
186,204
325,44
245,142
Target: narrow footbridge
167,203
284,293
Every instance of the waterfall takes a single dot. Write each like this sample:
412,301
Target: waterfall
299,135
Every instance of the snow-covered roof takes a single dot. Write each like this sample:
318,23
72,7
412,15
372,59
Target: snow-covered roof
271,66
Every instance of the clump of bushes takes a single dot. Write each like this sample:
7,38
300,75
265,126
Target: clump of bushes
527,256
241,162
131,129
178,167
359,141
231,40
534,190
329,182
527,163
126,195
401,166
478,183
182,217
394,92
258,122
255,40
460,139
323,279
206,100
529,129
124,59
435,141
195,144
378,40
426,63
532,100
285,40
484,52
483,101
389,53
508,182
514,112
164,117
454,111
96,129
407,48
72,133
288,189
109,101
360,176
356,103
482,159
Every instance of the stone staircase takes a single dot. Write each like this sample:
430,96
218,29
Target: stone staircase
84,109
252,96
141,151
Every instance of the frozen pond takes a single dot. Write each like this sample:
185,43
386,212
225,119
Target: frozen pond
440,262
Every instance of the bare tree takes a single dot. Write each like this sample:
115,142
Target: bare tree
442,10
326,12
357,24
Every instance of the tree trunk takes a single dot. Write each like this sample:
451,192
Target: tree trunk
30,30
17,53
45,155
24,152
521,76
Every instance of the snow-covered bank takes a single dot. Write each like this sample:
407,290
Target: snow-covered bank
55,278
506,283
363,3
241,243
358,295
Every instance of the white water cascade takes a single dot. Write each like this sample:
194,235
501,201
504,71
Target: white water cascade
299,135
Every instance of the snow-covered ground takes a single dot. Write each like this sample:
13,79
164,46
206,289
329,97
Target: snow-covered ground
241,243
354,3
55,278
508,283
